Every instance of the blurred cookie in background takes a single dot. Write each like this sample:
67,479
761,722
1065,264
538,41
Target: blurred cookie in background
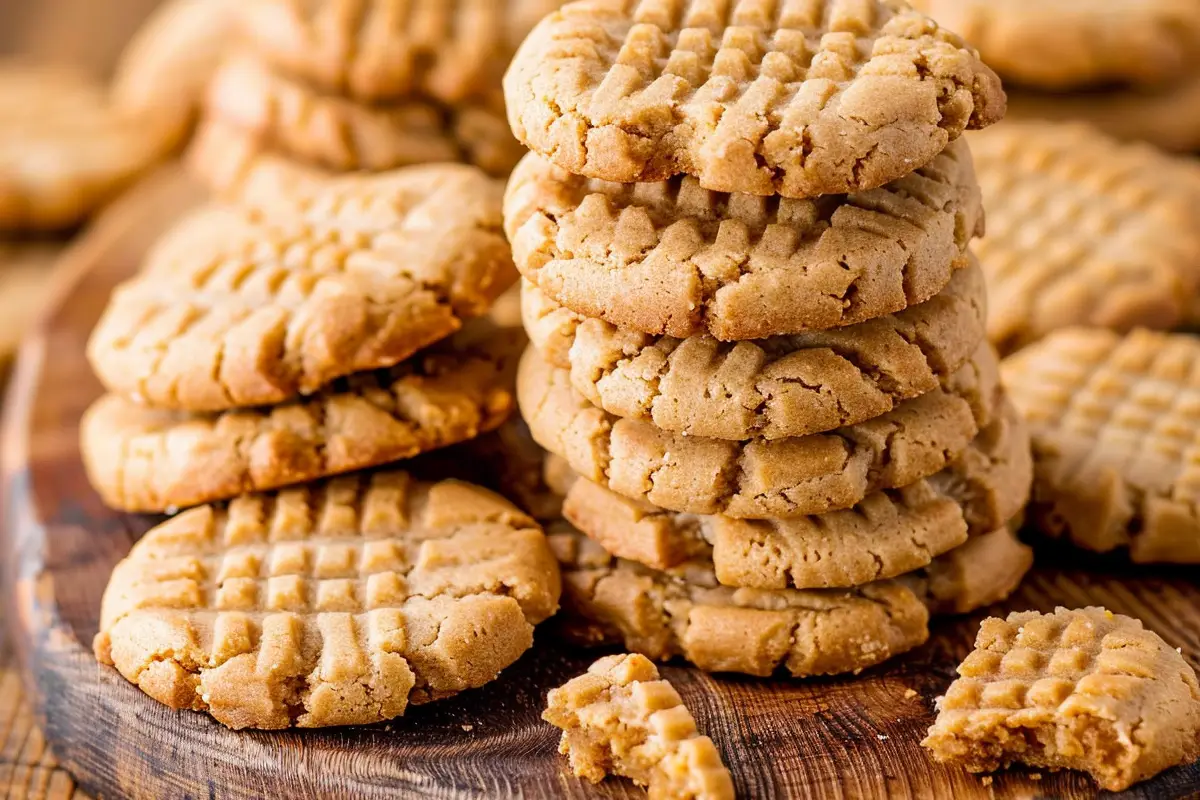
24,274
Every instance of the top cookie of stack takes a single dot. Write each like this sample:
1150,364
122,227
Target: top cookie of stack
744,232
365,85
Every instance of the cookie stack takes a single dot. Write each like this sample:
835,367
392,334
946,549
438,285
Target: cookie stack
1131,69
349,85
758,332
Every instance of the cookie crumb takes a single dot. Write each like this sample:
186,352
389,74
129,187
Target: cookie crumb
909,694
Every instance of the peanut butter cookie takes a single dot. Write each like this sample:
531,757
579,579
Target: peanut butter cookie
337,603
621,717
143,459
1087,690
759,478
255,305
784,386
1084,230
673,258
1115,422
813,99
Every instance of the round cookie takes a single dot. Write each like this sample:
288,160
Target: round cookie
773,388
65,149
450,51
758,478
143,459
1065,44
1084,230
685,613
673,258
239,170
253,305
747,96
339,603
887,534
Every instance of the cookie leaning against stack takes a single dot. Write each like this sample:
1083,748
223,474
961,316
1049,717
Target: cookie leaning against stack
745,239
317,332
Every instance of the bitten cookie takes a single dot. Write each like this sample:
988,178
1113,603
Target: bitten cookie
784,386
621,717
1087,690
1116,439
142,459
759,478
255,305
1083,230
673,258
685,613
65,148
887,534
820,98
332,604
1065,44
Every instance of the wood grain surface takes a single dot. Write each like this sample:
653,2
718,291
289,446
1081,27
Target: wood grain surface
844,738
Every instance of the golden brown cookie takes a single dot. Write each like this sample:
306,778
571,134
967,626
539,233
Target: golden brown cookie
1084,230
240,170
685,613
803,100
248,306
1086,689
887,534
1168,117
778,387
142,459
338,603
673,258
1115,422
621,717
447,50
1065,44
758,478
65,149
166,68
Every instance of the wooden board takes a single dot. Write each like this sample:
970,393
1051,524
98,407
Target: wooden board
845,738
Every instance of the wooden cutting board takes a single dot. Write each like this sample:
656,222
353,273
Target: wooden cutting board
844,738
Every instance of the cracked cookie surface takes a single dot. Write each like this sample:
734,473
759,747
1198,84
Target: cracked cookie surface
621,717
254,305
685,613
1084,230
802,100
672,258
143,459
887,534
773,388
338,603
1115,423
1076,689
759,478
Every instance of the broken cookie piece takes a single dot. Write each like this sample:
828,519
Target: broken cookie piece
1077,689
621,718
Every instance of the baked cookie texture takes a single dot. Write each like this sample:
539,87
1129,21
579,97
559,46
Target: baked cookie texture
1063,44
773,388
673,258
149,459
66,148
337,603
620,717
819,98
253,305
685,613
759,478
238,169
1083,230
1076,689
1115,439
886,535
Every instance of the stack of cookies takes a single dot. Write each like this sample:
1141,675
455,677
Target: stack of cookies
351,85
758,331
1129,67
